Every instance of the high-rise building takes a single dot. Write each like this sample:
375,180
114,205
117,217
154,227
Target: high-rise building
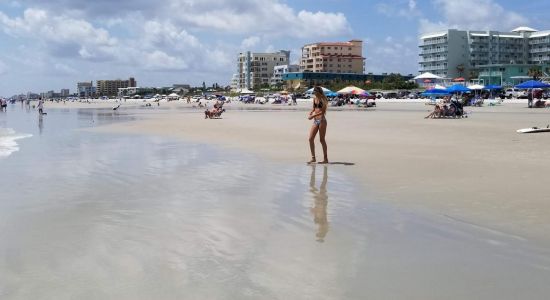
65,93
336,57
255,70
110,87
85,89
461,53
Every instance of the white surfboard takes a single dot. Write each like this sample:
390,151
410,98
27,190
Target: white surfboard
533,130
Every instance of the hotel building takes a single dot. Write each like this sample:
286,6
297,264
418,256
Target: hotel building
254,70
110,87
461,53
336,57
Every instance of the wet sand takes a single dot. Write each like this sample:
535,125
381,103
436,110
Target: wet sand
126,205
476,170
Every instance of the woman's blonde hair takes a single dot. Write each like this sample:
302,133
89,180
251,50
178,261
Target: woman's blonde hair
318,92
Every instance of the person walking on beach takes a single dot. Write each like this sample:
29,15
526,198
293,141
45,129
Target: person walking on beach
40,106
317,114
4,104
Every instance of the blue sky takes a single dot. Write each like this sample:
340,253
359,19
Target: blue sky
49,45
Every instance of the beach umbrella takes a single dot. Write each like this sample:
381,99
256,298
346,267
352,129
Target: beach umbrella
331,94
533,84
427,75
459,79
457,88
351,90
476,87
325,90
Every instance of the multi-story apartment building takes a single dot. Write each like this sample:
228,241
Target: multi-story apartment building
459,53
279,71
65,93
337,57
255,70
85,89
110,87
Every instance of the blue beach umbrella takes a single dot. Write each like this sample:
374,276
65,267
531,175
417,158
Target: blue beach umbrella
533,84
458,88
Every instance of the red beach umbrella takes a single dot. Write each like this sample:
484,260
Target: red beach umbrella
458,79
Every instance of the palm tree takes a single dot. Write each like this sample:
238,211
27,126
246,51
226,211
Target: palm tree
535,72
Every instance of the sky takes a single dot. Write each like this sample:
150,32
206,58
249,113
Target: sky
53,44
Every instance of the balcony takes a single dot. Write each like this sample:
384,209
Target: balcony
433,59
539,50
431,51
433,42
537,42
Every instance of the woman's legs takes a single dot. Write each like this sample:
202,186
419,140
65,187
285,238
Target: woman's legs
322,133
312,134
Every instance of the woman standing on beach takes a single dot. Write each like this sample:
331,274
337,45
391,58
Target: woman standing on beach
317,113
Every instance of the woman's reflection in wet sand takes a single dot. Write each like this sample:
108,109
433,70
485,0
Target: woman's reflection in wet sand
320,198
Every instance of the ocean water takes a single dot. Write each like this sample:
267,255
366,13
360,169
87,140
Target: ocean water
88,215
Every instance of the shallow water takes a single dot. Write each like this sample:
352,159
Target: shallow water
86,215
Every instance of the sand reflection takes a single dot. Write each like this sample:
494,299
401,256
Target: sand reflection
320,200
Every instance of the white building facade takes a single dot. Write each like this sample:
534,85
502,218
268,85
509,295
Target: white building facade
279,71
456,53
255,70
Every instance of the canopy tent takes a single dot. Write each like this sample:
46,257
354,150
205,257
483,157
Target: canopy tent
435,92
457,88
245,91
427,75
476,87
533,84
491,87
351,90
325,90
173,95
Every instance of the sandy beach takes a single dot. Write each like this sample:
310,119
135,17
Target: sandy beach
476,170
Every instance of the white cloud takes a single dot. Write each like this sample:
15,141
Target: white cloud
250,42
399,8
473,15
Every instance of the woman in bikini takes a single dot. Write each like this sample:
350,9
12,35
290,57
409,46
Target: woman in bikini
317,114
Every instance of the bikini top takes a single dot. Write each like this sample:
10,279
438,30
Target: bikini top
318,105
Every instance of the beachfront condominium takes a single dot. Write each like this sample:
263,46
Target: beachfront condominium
254,70
333,57
278,72
462,53
85,89
110,87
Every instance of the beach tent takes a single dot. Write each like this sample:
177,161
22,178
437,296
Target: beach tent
457,88
351,90
476,87
427,75
325,90
533,84
245,91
